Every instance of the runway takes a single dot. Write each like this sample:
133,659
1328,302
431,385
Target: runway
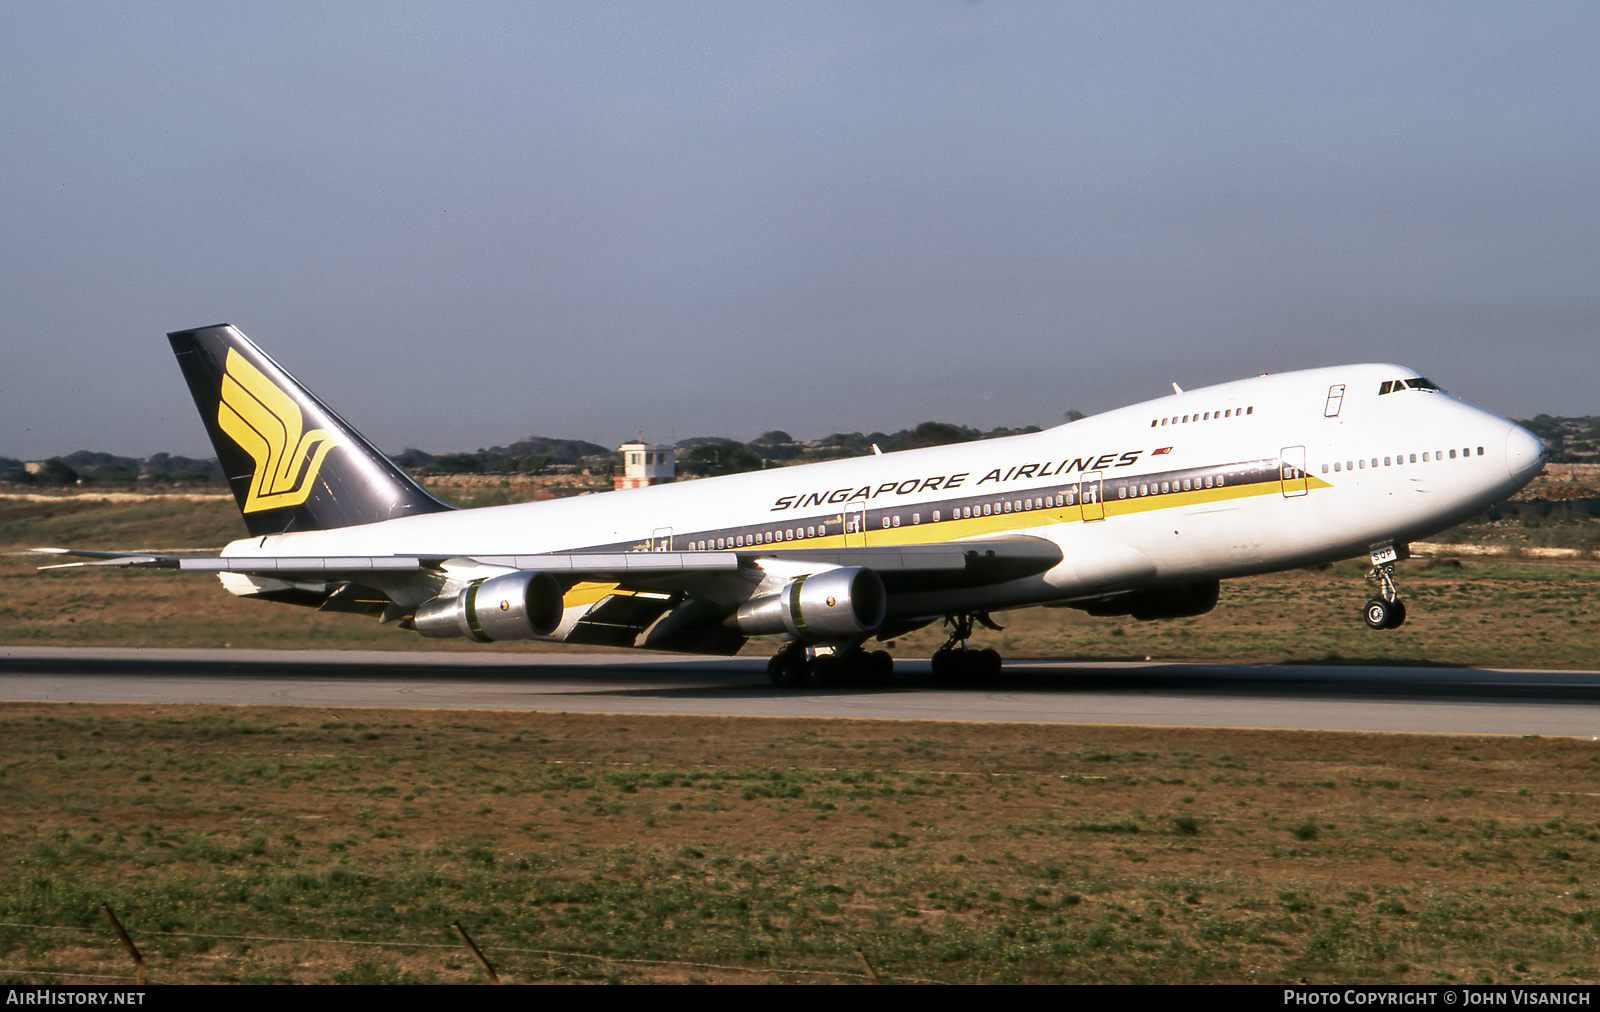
1320,697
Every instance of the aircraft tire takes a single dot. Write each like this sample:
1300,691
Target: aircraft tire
821,672
880,667
786,669
1378,614
1397,615
988,663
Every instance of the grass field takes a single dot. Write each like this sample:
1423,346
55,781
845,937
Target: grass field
292,844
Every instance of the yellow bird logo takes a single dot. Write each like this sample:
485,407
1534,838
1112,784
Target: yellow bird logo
267,423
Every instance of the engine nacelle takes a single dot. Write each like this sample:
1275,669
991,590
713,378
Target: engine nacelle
516,606
833,604
1185,600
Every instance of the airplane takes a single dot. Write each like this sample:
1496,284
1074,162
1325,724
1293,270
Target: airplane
1140,511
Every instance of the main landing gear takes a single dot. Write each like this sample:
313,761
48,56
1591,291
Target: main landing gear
956,659
1386,611
817,668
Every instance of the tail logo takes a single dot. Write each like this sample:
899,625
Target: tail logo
267,424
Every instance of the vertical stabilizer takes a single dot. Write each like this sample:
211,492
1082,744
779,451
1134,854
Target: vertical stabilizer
292,463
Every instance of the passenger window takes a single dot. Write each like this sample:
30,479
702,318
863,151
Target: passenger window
1324,468
1414,457
1386,462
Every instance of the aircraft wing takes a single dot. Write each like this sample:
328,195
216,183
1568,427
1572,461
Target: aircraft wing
901,567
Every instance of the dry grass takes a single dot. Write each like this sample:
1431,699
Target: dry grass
260,844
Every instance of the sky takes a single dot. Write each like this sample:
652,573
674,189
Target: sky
462,224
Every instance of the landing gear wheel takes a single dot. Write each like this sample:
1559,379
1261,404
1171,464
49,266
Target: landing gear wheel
1397,617
960,665
879,666
787,667
1379,614
821,672
988,662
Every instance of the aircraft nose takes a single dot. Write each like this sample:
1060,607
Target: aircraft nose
1525,454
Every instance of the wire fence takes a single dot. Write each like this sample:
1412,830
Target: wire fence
867,974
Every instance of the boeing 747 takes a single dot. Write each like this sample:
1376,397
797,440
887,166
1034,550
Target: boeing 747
1140,511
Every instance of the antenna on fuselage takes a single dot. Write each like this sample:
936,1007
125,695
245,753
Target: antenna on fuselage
1176,388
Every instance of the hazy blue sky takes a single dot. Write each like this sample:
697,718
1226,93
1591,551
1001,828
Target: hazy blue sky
465,223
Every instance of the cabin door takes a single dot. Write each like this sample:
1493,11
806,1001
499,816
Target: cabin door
1089,496
855,525
1292,471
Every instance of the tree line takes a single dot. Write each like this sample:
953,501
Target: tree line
1571,439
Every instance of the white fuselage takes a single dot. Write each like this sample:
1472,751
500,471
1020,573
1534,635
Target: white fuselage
1249,476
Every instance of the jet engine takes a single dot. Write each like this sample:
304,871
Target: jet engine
1184,600
833,604
516,606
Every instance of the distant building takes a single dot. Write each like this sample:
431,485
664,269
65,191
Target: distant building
646,464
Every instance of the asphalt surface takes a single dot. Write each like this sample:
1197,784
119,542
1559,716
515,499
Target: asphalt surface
1415,699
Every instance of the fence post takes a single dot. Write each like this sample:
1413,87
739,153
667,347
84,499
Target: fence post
127,943
477,953
872,975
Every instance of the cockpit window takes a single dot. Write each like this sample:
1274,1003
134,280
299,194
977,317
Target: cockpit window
1395,386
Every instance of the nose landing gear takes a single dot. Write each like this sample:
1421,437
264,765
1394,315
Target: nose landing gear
1386,611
